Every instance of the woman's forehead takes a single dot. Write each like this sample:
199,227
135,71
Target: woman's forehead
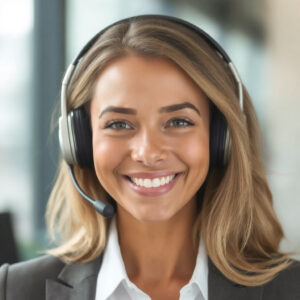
135,78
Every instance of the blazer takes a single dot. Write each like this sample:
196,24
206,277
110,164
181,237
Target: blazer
48,278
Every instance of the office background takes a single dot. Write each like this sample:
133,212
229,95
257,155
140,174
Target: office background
39,38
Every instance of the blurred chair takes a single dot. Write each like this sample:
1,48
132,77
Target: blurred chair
8,249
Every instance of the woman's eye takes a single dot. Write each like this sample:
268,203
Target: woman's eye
117,125
180,123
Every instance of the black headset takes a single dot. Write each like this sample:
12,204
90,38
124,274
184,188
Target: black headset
74,128
75,135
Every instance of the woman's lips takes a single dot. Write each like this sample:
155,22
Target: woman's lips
151,175
152,191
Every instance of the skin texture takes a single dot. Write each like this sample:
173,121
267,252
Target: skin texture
154,231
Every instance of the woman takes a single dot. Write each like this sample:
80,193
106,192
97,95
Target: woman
160,127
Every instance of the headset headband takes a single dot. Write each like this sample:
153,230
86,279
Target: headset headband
66,131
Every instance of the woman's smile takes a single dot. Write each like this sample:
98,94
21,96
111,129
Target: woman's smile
152,185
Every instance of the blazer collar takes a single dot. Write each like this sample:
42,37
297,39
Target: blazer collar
221,288
76,281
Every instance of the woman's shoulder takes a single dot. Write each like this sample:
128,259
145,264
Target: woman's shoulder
291,273
38,267
287,282
285,285
25,279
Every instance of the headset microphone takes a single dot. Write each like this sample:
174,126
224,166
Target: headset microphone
103,208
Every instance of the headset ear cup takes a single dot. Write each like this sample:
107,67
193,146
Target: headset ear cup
82,135
219,139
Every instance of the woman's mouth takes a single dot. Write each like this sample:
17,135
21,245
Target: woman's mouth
152,186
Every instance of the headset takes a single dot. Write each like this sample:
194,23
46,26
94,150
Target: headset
75,137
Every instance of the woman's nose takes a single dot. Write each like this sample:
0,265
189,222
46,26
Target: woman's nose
148,149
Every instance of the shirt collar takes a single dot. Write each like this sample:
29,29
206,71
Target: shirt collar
200,274
113,272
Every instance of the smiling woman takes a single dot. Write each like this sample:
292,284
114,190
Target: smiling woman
148,132
157,124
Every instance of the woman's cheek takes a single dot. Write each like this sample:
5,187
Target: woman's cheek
196,148
107,154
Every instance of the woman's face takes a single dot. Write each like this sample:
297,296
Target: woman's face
150,125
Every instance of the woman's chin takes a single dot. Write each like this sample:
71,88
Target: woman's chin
146,213
152,214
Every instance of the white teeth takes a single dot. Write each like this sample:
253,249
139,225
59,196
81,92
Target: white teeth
156,182
147,183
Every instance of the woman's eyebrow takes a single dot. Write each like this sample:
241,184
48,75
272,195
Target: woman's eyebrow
165,109
118,109
175,107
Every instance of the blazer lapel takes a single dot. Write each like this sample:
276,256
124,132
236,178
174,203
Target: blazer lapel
76,281
221,288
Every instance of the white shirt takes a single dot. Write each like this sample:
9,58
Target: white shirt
114,284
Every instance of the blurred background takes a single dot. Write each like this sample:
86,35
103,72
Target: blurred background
39,38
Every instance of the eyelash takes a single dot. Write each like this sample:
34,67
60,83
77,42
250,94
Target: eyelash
110,125
188,123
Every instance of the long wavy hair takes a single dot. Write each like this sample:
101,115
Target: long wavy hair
236,220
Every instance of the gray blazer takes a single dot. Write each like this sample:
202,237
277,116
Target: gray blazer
47,278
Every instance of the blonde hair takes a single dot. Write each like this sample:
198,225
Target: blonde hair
236,221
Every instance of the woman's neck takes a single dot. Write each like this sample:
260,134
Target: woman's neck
158,251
